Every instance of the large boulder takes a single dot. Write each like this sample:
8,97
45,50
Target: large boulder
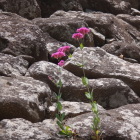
72,109
123,48
21,129
12,66
108,92
100,64
18,36
62,29
111,6
49,7
23,97
106,24
25,8
116,124
133,20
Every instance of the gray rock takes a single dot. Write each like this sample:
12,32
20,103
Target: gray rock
21,129
62,29
133,20
100,64
25,8
135,12
116,124
123,48
107,91
23,97
72,109
109,6
106,24
18,36
99,39
12,66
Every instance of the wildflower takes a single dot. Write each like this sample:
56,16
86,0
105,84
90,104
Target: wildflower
83,30
61,63
64,49
77,36
58,55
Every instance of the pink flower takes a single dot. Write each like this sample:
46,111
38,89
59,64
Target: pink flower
83,30
58,55
77,36
61,63
64,49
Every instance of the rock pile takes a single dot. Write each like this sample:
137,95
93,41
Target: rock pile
31,30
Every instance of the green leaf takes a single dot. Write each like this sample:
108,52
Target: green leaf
62,116
62,132
85,81
58,97
81,46
70,55
60,125
97,132
59,83
88,95
80,65
94,107
58,117
59,106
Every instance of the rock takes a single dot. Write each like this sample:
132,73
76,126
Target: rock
49,7
25,8
116,124
123,48
19,36
21,129
109,6
72,109
109,93
135,12
134,3
99,39
100,64
62,29
133,20
12,66
23,97
106,24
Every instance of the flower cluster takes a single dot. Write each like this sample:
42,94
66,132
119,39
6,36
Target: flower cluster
61,53
81,33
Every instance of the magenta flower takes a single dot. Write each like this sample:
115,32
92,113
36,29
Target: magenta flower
64,49
61,63
77,36
58,55
83,30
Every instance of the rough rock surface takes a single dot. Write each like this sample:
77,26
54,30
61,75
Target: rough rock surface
100,64
18,36
28,73
123,48
72,109
118,124
21,129
23,97
106,24
25,8
107,91
12,66
133,20
62,29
